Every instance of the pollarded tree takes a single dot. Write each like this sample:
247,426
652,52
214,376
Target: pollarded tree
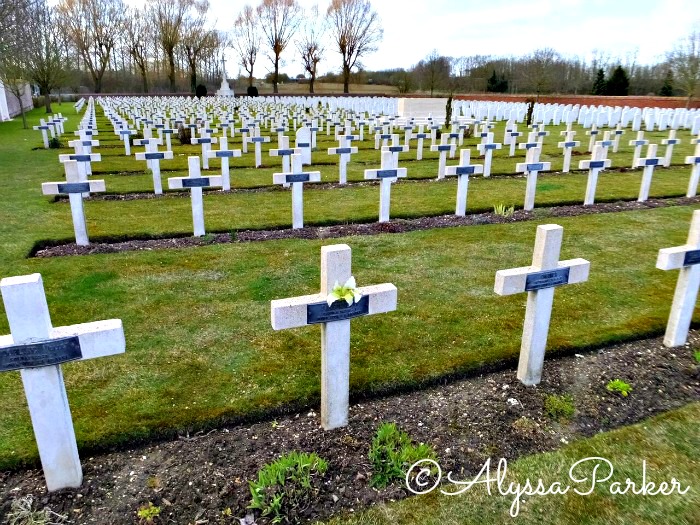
310,44
246,40
93,27
684,61
279,20
167,19
356,31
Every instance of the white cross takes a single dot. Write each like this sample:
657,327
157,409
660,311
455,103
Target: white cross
514,140
567,145
37,349
43,128
486,149
387,175
168,133
384,138
442,149
151,146
153,159
539,280
76,189
258,141
453,138
195,182
395,149
531,167
335,327
594,166
345,150
407,132
83,160
206,143
297,178
244,137
420,136
125,134
687,259
224,154
541,134
285,153
648,163
618,132
462,172
605,143
638,143
593,134
694,160
669,143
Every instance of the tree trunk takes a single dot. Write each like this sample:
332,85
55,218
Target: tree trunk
171,70
346,79
21,109
275,78
144,79
193,79
250,80
311,83
47,101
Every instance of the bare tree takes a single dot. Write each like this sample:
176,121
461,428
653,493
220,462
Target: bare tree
246,40
167,18
538,69
93,27
310,44
279,20
139,42
434,72
684,61
197,39
14,58
355,30
44,43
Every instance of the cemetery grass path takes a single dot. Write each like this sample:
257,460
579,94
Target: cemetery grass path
201,475
200,351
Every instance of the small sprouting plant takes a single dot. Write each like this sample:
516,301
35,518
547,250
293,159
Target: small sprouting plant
697,356
503,211
286,486
392,453
559,407
147,513
348,292
619,386
22,512
148,172
54,143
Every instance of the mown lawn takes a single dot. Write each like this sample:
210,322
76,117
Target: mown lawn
667,442
199,344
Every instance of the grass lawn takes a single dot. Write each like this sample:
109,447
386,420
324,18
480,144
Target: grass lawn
199,344
667,442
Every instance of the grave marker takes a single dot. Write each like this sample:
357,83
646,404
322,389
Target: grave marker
387,176
195,182
539,281
669,143
335,327
648,163
462,172
694,160
344,151
568,145
531,167
486,149
594,166
297,178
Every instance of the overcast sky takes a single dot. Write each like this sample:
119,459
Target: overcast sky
413,28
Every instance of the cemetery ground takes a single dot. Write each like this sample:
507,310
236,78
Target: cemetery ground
201,355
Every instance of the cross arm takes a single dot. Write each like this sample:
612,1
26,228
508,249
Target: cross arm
218,153
58,188
677,257
593,164
514,280
533,166
286,178
179,183
80,157
292,313
157,155
569,144
342,151
386,173
693,159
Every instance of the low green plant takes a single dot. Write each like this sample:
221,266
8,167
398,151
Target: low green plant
697,356
22,512
619,386
286,486
503,211
559,407
147,513
55,143
148,172
392,453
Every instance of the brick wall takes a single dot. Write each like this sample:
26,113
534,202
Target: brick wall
589,100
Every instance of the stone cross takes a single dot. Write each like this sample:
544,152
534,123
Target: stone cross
303,142
531,167
153,159
638,143
685,258
594,166
125,135
395,149
462,172
335,327
486,149
195,182
669,143
443,149
297,178
345,150
618,132
694,160
285,153
387,175
43,128
76,189
206,143
37,349
605,143
513,140
648,163
539,281
224,154
244,137
420,136
258,141
568,144
151,146
83,160
593,132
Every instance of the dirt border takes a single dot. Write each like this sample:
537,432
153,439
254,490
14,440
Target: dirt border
47,249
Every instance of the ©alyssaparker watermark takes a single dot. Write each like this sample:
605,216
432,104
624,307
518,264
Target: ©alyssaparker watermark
425,475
